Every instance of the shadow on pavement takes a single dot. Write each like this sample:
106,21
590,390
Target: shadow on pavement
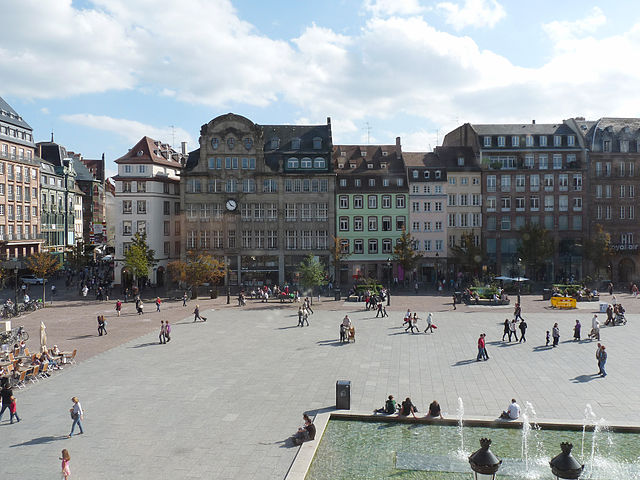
585,378
81,337
331,343
286,328
542,348
39,441
148,344
464,362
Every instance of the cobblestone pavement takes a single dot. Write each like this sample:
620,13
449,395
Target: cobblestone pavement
221,398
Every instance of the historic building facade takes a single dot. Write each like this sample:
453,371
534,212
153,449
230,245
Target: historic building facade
19,185
260,197
147,198
531,173
371,209
614,167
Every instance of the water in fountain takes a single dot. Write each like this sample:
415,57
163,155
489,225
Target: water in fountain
460,415
529,434
589,419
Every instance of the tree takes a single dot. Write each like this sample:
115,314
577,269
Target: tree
43,265
197,269
404,252
139,257
598,249
337,256
77,259
467,255
535,249
312,272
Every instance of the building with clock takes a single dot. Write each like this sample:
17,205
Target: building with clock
147,198
261,197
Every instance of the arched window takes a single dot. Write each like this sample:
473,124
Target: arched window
426,174
319,162
293,163
305,162
437,173
415,174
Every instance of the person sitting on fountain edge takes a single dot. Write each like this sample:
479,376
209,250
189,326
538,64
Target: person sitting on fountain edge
513,411
389,406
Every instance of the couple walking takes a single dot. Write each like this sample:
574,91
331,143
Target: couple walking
601,357
165,332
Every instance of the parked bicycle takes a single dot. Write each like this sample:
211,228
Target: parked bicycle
16,335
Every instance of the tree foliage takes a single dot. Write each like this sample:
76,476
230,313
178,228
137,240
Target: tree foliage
77,259
535,249
337,255
312,272
598,249
467,255
199,268
404,252
139,257
43,265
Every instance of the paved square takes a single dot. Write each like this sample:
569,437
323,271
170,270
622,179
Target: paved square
221,398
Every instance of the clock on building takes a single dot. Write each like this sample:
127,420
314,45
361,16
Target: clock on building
231,205
215,143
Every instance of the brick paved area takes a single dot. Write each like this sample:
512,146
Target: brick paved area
222,397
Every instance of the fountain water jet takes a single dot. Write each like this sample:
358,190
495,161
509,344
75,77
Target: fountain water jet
460,415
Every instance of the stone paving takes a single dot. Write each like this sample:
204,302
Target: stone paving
222,397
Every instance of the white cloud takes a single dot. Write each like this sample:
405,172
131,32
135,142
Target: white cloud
131,130
393,7
473,13
44,110
560,31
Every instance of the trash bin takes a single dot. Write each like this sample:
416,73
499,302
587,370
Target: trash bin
343,395
603,307
213,293
336,294
546,294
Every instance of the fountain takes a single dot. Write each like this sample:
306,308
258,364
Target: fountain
528,423
589,419
460,415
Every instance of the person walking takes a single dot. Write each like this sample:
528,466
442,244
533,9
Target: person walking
162,336
140,306
523,331
300,313
430,325
77,415
308,305
167,331
184,299
506,329
482,349
158,303
576,331
101,325
512,330
454,301
595,328
305,316
118,307
13,410
555,334
379,308
196,314
6,394
603,361
517,312
598,351
66,471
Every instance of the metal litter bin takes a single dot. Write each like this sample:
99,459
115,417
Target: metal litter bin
343,395
337,294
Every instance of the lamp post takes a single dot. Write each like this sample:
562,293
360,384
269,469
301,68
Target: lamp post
389,271
519,260
483,462
15,305
564,466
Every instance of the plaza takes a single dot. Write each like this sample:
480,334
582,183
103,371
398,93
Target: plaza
221,399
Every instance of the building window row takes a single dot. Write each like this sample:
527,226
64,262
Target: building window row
372,201
517,141
374,223
565,182
549,222
371,182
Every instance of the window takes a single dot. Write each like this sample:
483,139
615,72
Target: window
501,141
358,201
343,201
529,161
400,202
372,201
607,191
386,201
248,185
231,186
126,228
475,199
317,143
487,141
577,204
607,212
491,183
358,246
439,245
142,168
598,191
505,204
548,183
400,182
142,186
529,140
452,220
358,224
386,245
305,162
461,161
126,205
491,204
293,163
515,141
142,206
563,182
452,180
344,224
543,162
451,200
386,224
464,181
577,182
464,200
505,223
426,174
357,182
385,182
415,206
343,182
126,187
373,224
415,226
563,203
372,182
319,162
571,140
373,245
505,183
176,208
437,206
520,204
548,203
557,140
438,173
520,183
400,223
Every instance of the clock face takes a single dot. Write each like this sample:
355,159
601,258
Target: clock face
248,143
231,142
231,205
215,143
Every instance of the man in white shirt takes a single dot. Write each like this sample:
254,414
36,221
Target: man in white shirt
513,411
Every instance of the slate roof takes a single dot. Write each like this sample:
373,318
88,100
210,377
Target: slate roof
148,150
508,129
9,115
52,152
391,155
306,134
617,124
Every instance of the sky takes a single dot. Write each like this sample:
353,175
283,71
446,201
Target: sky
101,74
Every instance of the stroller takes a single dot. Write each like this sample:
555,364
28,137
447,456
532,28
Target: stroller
619,318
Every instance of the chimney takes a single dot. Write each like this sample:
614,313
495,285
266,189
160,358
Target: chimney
398,148
328,120
183,147
533,122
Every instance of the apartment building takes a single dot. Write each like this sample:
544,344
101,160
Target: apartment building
19,185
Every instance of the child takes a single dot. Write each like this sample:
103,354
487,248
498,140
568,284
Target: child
548,338
65,464
12,409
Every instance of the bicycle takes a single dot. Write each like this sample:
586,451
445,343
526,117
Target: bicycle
16,335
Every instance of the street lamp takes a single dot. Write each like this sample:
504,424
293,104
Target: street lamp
483,462
519,284
15,305
564,466
389,267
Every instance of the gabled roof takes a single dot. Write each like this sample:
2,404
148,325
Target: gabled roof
83,173
151,151
9,115
375,155
306,134
522,129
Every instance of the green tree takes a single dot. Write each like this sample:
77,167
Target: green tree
43,265
467,255
312,272
404,252
77,258
139,257
535,249
337,255
598,250
199,268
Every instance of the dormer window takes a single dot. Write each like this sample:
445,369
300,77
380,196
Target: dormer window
306,162
383,165
557,140
515,141
317,143
487,141
415,174
363,153
461,161
292,163
385,153
438,173
319,162
275,143
352,165
529,141
341,165
427,174
571,140
343,154
501,141
369,165
295,143
543,140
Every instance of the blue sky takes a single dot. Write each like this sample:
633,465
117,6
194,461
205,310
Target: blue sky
103,73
